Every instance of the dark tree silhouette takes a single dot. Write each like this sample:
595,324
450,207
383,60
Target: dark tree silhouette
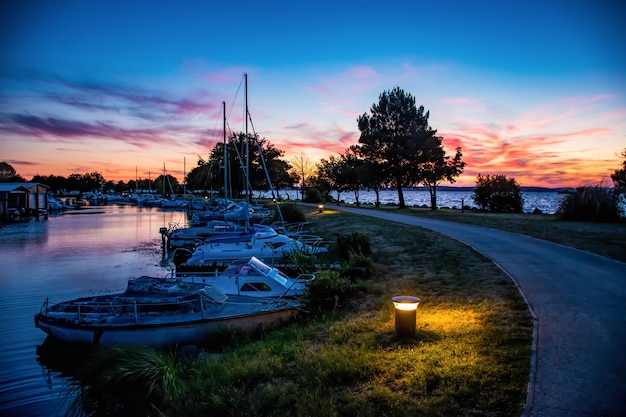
397,139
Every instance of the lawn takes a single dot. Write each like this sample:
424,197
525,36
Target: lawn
606,239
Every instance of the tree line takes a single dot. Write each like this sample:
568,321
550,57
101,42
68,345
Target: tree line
397,148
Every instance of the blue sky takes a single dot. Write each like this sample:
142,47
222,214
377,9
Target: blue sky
534,90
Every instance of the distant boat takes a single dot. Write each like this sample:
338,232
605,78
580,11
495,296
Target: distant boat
160,311
267,245
194,235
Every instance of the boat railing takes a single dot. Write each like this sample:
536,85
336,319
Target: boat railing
97,312
305,278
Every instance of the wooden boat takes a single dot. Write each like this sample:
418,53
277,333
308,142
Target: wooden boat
160,311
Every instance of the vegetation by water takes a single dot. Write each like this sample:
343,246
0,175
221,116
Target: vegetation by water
470,355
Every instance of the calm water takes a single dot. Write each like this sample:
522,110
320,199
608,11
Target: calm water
92,250
547,202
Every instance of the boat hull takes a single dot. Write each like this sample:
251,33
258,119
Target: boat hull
194,330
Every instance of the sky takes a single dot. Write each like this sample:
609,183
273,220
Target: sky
535,90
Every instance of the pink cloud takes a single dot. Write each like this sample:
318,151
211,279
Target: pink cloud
456,100
229,75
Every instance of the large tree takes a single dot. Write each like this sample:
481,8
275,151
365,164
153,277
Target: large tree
396,137
264,161
353,172
8,174
327,173
303,169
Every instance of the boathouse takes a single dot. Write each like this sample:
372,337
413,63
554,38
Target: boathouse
22,199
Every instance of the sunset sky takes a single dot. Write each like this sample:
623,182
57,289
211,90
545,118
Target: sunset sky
535,90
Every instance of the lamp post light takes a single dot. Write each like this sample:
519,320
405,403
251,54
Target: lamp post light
406,314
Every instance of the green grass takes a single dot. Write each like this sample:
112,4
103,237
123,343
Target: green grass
606,239
470,355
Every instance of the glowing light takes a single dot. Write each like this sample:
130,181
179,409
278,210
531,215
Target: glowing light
406,313
405,302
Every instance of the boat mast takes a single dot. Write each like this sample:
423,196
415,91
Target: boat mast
225,164
164,181
247,173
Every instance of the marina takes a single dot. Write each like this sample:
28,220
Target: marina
87,251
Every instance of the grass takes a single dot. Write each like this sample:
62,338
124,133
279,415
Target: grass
606,239
470,355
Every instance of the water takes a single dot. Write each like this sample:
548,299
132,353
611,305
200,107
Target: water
87,251
547,201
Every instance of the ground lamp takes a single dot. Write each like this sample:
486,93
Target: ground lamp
406,313
320,208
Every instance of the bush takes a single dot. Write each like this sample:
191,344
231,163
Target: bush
313,195
353,243
498,193
291,213
357,266
590,204
327,288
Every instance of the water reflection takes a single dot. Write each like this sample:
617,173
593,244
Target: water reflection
88,251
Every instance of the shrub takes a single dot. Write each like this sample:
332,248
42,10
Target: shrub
291,213
327,288
498,193
357,266
313,195
353,243
590,204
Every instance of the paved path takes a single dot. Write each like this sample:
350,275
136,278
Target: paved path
579,301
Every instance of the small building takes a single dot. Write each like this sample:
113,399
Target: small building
19,199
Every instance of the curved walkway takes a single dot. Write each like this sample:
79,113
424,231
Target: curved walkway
578,300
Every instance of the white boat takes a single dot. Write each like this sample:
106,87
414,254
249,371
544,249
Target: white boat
160,311
253,278
193,235
174,203
266,245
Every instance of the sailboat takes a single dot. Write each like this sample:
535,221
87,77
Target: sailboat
262,242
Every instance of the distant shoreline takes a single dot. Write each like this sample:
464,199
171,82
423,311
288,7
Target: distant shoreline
471,188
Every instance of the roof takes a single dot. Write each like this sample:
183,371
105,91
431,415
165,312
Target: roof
7,187
15,186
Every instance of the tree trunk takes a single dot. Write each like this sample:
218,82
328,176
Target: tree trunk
356,198
377,191
433,197
400,195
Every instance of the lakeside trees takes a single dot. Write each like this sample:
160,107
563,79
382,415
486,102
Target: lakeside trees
397,138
